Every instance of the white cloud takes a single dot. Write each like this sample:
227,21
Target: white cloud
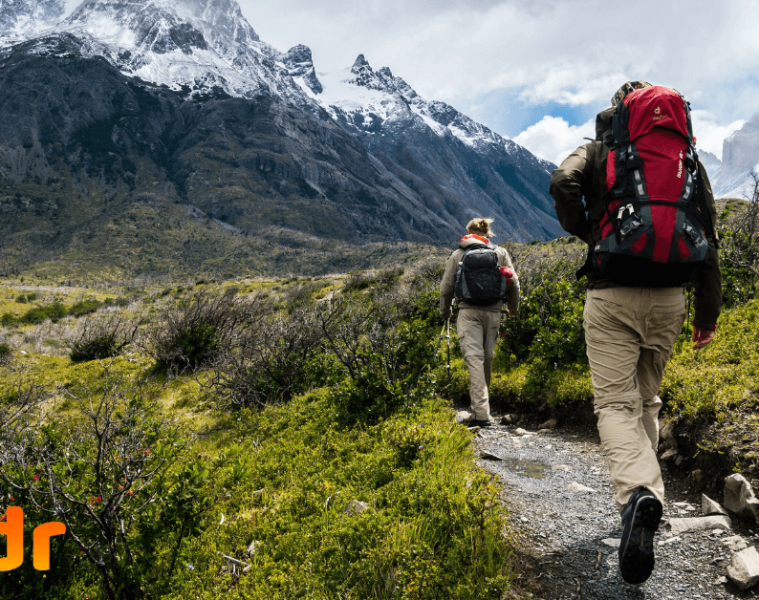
552,138
557,51
710,135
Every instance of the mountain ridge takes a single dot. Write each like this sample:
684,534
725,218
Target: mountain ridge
195,114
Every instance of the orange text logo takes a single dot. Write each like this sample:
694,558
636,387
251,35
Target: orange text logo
13,530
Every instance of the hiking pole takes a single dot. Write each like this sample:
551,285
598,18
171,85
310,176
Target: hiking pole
439,339
448,353
689,293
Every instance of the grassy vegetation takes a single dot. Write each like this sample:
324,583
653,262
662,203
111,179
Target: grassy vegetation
357,484
286,438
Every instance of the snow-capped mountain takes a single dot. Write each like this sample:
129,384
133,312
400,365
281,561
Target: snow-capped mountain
20,19
195,44
363,97
191,108
465,158
740,157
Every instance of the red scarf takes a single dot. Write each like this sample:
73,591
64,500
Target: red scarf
479,238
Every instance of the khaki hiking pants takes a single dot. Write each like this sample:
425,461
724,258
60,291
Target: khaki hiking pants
478,332
630,333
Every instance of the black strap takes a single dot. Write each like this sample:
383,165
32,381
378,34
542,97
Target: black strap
588,267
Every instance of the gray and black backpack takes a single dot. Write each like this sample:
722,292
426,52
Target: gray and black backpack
479,281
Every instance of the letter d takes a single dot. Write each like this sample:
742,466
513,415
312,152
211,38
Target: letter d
13,529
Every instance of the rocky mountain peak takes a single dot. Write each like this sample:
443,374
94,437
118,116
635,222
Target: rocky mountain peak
381,81
163,26
360,65
300,63
740,157
195,45
21,18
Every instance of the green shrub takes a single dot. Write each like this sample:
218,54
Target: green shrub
739,256
84,307
5,353
22,299
198,344
102,338
548,328
192,334
384,345
109,471
53,312
275,356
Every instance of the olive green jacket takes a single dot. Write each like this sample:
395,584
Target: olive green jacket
578,187
448,282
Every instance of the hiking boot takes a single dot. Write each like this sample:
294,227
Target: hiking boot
480,423
640,520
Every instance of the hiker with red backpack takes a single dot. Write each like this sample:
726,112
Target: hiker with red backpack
641,200
482,278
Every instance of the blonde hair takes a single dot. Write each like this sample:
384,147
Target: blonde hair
480,227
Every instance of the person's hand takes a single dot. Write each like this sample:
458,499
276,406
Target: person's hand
702,337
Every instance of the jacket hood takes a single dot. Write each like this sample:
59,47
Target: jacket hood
603,123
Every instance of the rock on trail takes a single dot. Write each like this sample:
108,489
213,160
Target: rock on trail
556,486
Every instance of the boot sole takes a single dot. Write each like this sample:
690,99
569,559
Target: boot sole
636,554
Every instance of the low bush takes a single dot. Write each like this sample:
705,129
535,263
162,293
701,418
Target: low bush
102,338
739,256
84,307
54,312
548,328
272,357
5,353
34,316
383,345
108,470
194,332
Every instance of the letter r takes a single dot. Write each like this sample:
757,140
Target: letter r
41,548
13,529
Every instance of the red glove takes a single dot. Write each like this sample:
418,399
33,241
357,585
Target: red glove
703,337
508,274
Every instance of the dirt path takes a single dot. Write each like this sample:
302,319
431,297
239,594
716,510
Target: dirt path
566,546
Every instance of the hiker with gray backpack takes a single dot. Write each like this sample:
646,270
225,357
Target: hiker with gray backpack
641,200
482,278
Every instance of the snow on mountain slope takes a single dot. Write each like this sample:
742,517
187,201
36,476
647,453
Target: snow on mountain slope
443,166
208,44
740,157
367,99
200,44
20,19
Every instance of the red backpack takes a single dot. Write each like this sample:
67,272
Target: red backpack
654,231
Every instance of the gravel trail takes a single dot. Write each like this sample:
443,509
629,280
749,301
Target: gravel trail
566,537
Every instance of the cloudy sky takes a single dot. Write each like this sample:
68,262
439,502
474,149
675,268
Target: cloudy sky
538,71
